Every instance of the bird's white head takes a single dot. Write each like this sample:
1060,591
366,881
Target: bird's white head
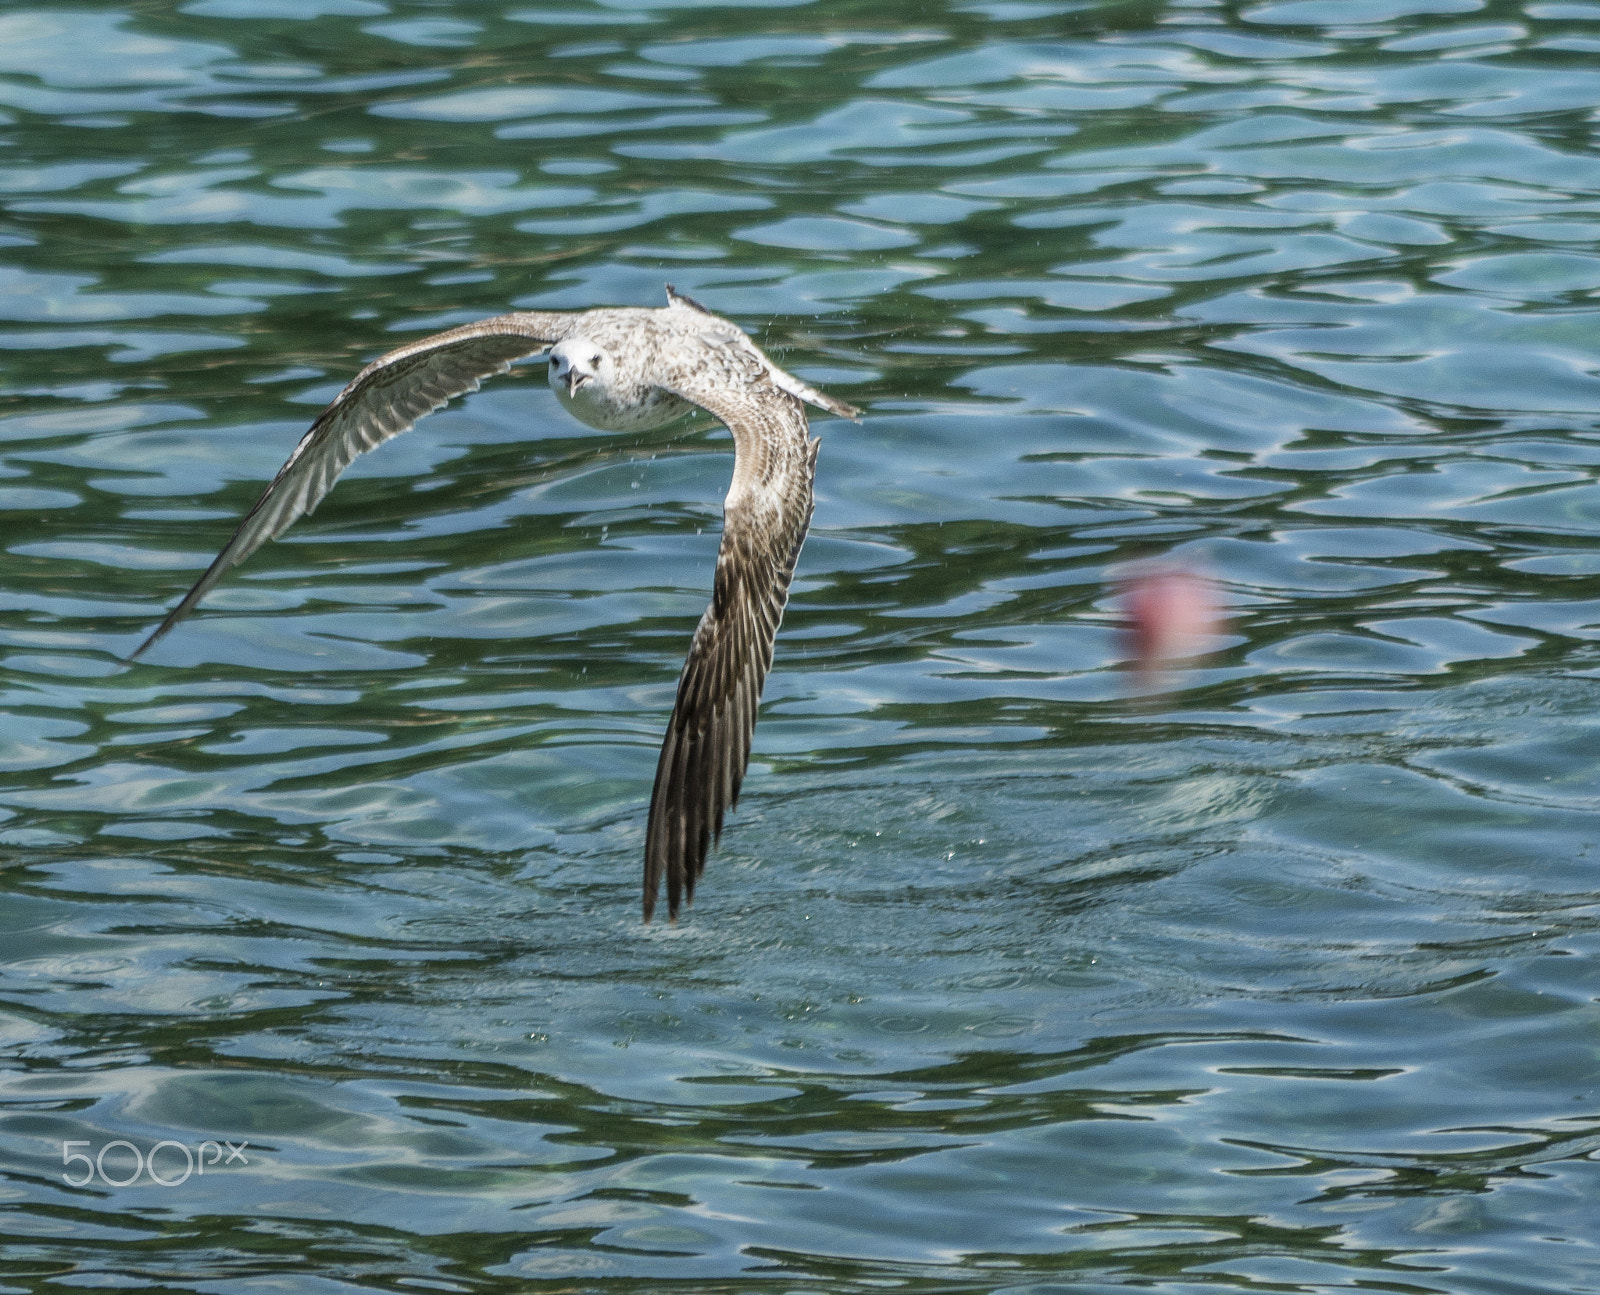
577,366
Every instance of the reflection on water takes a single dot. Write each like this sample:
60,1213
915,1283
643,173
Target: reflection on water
1002,980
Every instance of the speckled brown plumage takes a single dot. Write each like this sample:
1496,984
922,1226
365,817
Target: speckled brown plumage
620,369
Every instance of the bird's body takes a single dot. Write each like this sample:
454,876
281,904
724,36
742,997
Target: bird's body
615,396
618,369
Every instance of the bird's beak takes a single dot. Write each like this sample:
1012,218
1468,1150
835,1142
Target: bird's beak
573,379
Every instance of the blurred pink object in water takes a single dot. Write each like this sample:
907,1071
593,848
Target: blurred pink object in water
1171,614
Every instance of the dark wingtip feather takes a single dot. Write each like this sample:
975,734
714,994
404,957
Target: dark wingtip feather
675,297
150,641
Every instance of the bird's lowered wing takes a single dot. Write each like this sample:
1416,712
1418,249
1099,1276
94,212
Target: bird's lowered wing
386,398
707,744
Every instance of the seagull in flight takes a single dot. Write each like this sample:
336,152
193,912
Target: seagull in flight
620,369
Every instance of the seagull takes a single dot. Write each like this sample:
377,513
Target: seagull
620,369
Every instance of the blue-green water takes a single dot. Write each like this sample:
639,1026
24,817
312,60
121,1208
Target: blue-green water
1002,981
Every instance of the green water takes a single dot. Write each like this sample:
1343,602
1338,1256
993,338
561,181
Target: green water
1002,980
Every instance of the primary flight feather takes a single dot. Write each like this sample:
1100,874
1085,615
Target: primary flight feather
618,369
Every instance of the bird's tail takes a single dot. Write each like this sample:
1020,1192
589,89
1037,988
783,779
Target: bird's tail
786,381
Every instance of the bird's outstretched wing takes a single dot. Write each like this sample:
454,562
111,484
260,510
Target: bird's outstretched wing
707,745
386,398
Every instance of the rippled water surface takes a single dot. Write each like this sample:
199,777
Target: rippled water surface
1004,979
